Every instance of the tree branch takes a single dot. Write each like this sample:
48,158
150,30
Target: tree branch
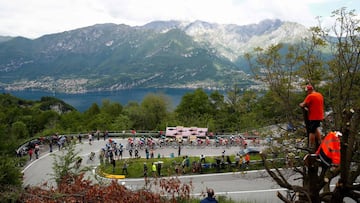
298,170
284,199
279,180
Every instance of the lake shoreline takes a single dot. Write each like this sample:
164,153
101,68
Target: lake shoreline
82,101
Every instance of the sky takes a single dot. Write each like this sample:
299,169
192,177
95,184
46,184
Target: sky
35,18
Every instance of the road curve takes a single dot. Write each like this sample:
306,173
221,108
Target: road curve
254,186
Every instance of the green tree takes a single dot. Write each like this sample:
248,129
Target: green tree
100,121
46,119
219,122
111,108
10,175
230,114
136,114
194,109
10,179
20,130
122,122
93,110
72,122
155,107
249,109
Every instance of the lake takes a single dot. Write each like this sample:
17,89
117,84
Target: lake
84,100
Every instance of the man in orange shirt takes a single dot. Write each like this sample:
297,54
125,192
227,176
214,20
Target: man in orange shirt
314,102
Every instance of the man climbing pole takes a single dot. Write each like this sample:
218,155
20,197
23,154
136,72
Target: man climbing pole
314,103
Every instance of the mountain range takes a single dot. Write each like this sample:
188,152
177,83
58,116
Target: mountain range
160,54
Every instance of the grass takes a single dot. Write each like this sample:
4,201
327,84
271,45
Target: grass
136,166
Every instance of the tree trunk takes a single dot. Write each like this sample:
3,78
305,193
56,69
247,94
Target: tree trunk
311,182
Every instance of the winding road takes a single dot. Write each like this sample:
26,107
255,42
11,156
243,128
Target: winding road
255,186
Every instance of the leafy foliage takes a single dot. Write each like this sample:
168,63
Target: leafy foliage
10,175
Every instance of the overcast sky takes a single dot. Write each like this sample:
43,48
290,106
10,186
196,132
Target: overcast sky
34,18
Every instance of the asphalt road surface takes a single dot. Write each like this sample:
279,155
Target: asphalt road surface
253,186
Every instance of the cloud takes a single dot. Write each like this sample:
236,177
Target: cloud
33,18
225,11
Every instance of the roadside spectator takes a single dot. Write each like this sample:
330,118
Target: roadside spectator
199,167
136,153
159,169
121,151
177,169
187,161
30,153
147,153
145,170
247,159
152,153
210,197
79,137
59,144
113,162
314,103
18,152
37,151
106,134
183,165
218,163
125,167
116,151
130,153
202,158
228,161
153,169
102,156
50,145
237,160
243,162
329,150
62,141
90,138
